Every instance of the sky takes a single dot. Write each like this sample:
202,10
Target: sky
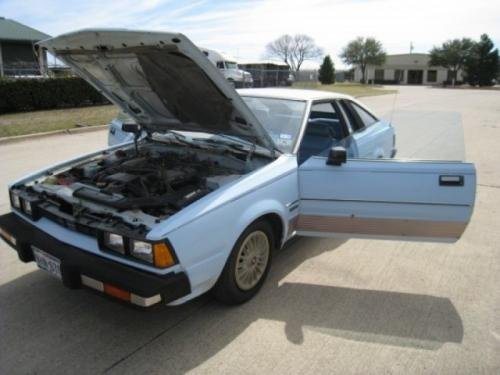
242,28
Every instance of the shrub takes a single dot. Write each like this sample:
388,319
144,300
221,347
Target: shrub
48,93
327,71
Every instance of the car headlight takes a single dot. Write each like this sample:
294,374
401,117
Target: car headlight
114,242
15,200
27,207
159,254
142,250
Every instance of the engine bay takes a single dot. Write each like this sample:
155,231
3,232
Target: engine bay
155,181
136,187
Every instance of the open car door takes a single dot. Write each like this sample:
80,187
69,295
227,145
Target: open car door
386,199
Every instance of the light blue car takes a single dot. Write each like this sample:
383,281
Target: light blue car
214,181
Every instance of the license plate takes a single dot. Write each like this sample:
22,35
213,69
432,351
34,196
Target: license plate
47,262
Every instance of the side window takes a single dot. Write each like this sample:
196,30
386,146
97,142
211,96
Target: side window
366,118
324,129
220,64
358,117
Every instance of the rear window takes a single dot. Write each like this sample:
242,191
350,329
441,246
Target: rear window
366,118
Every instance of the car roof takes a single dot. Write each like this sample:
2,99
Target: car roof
292,94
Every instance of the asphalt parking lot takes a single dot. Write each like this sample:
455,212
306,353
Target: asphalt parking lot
329,306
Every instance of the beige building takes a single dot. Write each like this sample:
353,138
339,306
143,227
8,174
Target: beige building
408,68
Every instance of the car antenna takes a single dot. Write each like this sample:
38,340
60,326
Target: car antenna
393,106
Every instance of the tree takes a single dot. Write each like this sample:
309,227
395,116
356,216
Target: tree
481,66
363,52
327,71
452,55
294,50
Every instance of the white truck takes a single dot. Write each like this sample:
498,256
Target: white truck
229,68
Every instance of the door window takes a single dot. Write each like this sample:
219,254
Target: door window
324,129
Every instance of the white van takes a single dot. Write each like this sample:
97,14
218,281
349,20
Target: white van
229,68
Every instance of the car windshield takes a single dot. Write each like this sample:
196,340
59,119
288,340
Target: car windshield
231,65
281,118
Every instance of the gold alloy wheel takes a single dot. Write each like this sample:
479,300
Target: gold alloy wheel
252,259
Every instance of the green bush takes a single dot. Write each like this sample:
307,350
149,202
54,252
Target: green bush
36,94
327,71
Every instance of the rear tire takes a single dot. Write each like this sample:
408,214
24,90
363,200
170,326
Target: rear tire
247,266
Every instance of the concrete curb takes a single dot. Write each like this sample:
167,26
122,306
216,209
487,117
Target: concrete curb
27,137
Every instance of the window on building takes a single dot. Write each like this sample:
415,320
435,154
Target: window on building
399,75
379,74
431,75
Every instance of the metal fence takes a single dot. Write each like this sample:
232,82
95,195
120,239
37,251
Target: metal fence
306,75
23,69
263,77
270,77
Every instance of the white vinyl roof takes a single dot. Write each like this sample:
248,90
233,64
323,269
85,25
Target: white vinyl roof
292,94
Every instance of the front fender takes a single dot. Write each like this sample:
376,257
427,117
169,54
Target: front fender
262,208
204,242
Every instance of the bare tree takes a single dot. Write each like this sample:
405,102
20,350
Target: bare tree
294,50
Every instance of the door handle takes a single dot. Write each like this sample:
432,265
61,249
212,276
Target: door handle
450,180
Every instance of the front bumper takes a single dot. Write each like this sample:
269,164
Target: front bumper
76,262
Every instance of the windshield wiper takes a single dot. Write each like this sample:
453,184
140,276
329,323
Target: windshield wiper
235,139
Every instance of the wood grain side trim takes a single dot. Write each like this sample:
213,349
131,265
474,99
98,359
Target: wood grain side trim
382,227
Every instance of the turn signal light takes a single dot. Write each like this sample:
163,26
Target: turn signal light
163,257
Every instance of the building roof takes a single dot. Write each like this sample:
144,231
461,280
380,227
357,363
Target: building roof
14,31
292,94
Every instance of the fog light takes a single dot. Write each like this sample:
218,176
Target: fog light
114,242
142,250
162,255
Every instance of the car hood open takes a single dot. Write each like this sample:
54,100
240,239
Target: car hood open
161,79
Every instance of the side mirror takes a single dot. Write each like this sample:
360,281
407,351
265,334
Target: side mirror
131,128
337,156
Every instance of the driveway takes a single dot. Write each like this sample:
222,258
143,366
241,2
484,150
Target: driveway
329,306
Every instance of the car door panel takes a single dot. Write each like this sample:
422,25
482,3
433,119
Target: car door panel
386,199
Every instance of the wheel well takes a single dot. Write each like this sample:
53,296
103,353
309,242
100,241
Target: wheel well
277,225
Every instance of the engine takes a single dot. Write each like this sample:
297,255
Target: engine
157,181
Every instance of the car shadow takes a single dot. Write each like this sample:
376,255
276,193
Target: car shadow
41,321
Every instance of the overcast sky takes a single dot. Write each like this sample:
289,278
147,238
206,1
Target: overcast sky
242,27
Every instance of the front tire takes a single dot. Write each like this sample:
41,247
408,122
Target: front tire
247,266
